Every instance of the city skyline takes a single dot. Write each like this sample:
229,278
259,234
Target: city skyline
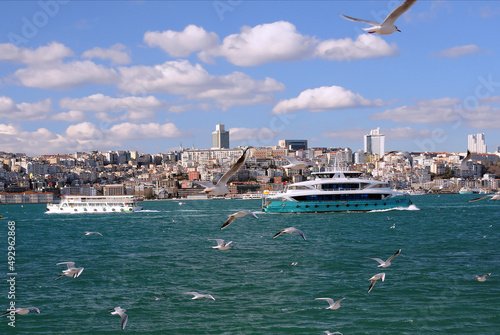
147,76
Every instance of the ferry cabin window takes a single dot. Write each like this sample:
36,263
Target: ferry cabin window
340,186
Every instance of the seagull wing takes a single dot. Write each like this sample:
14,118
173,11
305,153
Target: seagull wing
480,198
225,178
205,184
71,265
371,285
78,273
378,260
391,18
330,300
300,233
392,257
124,319
279,233
219,243
373,23
228,221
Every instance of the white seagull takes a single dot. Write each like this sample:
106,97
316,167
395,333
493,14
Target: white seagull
463,163
197,295
333,305
290,230
220,188
158,298
295,163
493,197
71,271
483,277
121,312
387,26
384,264
221,245
236,215
330,333
22,311
92,233
374,279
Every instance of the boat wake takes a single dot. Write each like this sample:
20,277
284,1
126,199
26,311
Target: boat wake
409,208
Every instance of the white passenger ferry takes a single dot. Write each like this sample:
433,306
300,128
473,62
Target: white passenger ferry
96,204
335,191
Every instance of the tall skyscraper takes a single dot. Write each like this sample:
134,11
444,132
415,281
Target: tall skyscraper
375,142
220,138
475,143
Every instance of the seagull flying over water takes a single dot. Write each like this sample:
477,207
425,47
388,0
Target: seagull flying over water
121,312
92,233
71,271
221,245
333,305
388,261
236,215
330,333
483,277
220,188
158,298
197,295
374,279
387,26
493,197
22,311
290,230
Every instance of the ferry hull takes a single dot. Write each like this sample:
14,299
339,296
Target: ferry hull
92,209
277,206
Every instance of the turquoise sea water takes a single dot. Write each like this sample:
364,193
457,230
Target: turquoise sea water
429,288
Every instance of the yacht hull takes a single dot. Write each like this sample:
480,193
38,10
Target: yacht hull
286,206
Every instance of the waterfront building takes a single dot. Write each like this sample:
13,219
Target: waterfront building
293,144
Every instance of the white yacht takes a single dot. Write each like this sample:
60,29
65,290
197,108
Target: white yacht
335,191
96,204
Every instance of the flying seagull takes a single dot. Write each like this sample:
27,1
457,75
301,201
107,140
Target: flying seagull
71,271
220,188
330,333
221,245
121,312
374,280
483,277
294,163
197,295
333,305
236,215
290,230
388,261
158,298
493,197
387,26
463,163
92,233
22,311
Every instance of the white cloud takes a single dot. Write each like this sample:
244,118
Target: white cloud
324,98
365,46
24,111
249,134
53,52
352,134
102,103
117,53
425,111
194,82
71,116
272,42
129,131
460,51
63,76
182,44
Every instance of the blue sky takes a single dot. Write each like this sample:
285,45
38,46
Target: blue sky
149,75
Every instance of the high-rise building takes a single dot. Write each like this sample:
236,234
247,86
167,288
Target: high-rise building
220,138
475,143
375,142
